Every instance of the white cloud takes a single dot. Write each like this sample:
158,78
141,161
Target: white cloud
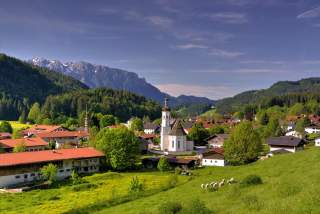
160,21
244,71
190,46
313,13
228,17
273,62
213,92
225,54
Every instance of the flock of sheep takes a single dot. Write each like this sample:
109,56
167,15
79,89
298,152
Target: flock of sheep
214,186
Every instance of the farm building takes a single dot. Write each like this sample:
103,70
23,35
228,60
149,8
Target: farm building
213,157
24,167
64,138
30,143
217,140
289,143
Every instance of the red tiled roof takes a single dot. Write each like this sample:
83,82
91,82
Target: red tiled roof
5,135
28,142
61,134
41,128
148,136
22,158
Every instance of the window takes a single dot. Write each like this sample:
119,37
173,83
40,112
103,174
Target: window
61,170
211,161
68,170
32,175
25,175
173,144
17,176
178,144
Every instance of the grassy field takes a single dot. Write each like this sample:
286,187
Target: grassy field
291,184
16,125
100,190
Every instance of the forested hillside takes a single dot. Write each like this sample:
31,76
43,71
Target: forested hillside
282,93
121,104
22,84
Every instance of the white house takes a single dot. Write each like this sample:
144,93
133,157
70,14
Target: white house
24,167
150,128
317,141
294,134
313,129
213,159
289,143
173,139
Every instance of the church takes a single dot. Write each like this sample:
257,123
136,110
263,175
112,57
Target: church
173,136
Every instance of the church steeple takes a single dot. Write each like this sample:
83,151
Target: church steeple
166,107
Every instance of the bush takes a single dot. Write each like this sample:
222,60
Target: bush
196,207
76,179
170,208
251,180
163,164
136,186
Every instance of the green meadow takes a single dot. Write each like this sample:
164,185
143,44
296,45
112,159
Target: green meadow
291,184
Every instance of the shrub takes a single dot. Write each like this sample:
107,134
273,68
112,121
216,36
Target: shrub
76,179
136,186
163,164
251,180
49,172
196,207
170,207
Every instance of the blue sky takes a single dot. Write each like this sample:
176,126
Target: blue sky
213,48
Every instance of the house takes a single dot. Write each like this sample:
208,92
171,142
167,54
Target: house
289,143
5,135
152,162
31,144
64,138
294,134
317,141
150,128
291,126
277,152
36,129
214,157
173,137
313,129
217,140
24,167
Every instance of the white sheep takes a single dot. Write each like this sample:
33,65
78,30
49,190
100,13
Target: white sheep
202,186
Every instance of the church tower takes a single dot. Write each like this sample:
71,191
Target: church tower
165,126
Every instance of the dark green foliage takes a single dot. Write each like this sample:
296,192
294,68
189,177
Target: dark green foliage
5,127
170,207
120,145
273,129
121,104
136,124
251,180
23,84
163,164
243,145
107,120
198,134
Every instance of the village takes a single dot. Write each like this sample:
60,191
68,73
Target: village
23,158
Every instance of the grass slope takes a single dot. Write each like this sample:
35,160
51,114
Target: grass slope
99,190
290,185
16,125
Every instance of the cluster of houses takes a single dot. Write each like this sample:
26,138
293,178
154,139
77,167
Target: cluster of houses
44,144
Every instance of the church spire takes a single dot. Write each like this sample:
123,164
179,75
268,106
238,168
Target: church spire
166,107
86,120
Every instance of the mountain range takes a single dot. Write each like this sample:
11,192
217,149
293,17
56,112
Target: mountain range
96,76
308,86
